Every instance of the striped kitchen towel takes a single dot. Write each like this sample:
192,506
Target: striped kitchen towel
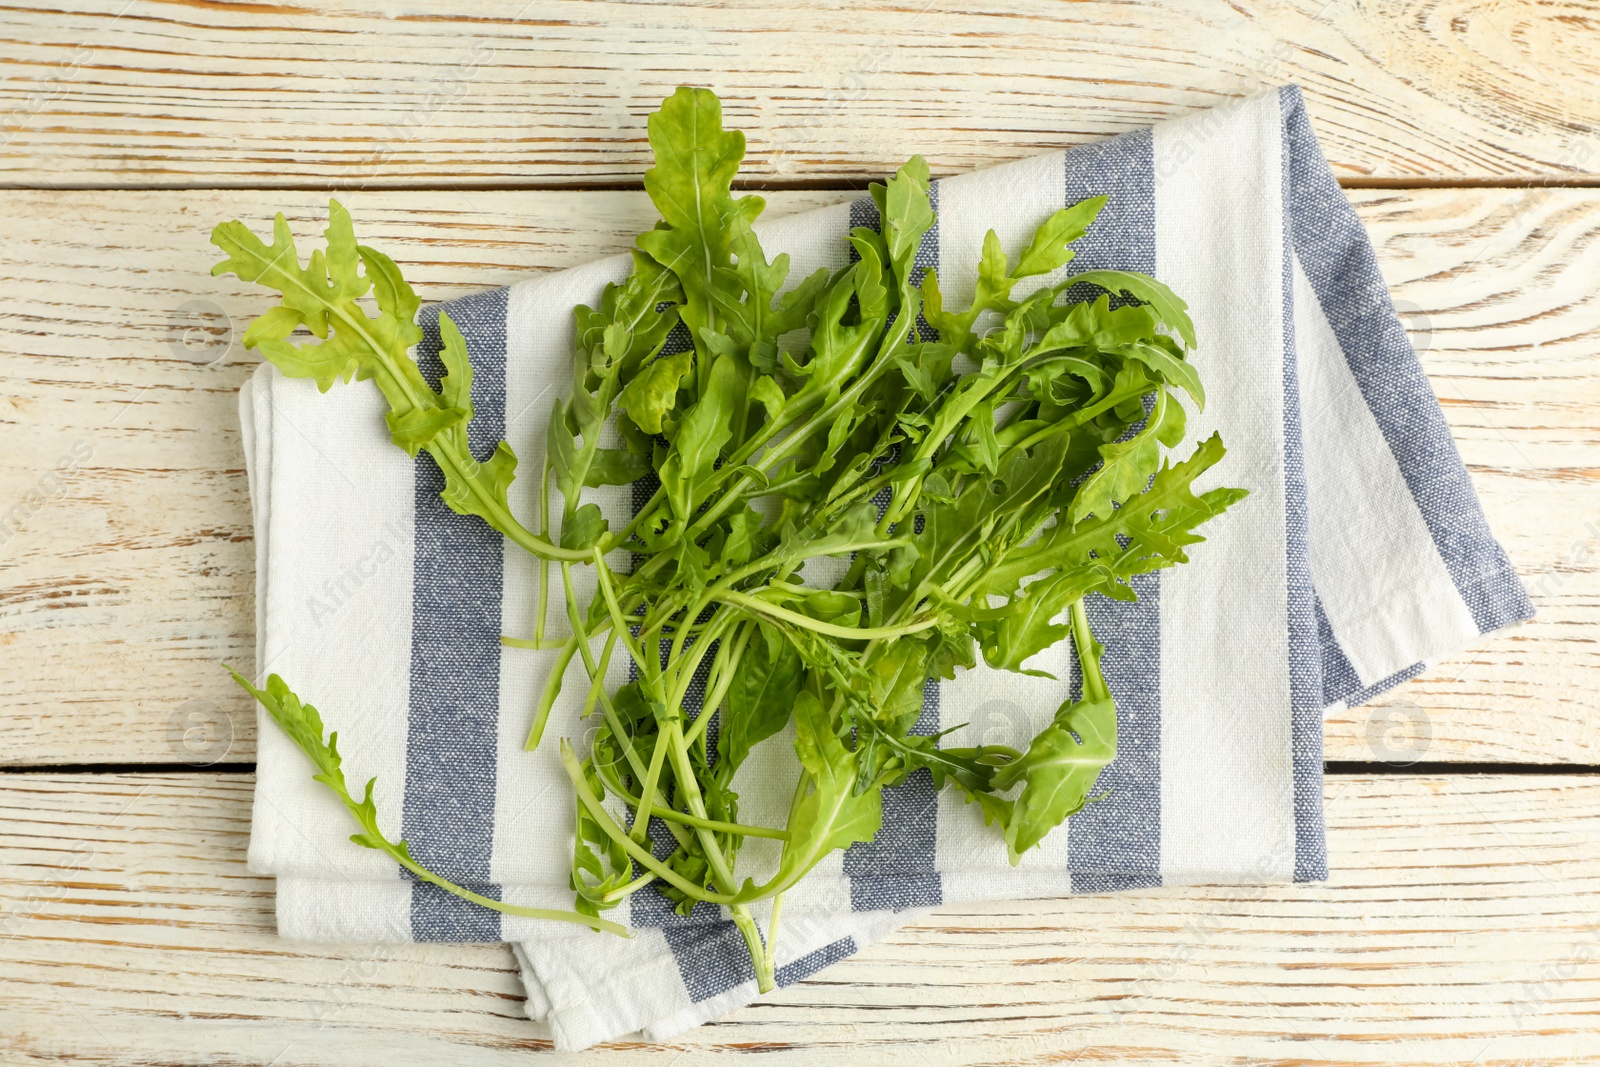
1360,555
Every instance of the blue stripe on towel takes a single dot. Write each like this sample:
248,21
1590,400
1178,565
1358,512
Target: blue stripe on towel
1338,259
1339,679
712,958
1305,666
897,869
1115,843
810,964
455,655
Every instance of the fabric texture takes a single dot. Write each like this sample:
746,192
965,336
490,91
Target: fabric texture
1360,556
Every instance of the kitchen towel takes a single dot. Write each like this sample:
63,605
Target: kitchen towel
1360,556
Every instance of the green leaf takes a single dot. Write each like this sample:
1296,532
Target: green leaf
983,438
1173,311
761,696
691,185
653,394
473,488
1149,532
750,318
1096,324
416,428
829,815
698,441
615,466
1058,771
898,679
303,725
907,215
766,392
1126,466
853,531
739,545
583,528
632,323
324,297
1171,368
1027,625
600,864
1048,250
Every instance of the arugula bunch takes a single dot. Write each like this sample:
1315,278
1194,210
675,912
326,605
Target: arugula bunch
978,473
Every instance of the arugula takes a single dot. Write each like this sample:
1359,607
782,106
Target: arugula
303,724
981,482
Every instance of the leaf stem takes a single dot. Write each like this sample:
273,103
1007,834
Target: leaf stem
609,825
591,921
1094,682
853,633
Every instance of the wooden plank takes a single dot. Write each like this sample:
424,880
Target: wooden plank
1460,926
360,94
129,576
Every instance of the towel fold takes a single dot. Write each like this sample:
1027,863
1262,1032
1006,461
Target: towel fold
1360,556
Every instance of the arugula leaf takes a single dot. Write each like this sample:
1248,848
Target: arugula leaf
828,814
1058,771
323,297
648,398
1126,466
600,866
1049,251
303,725
1173,311
698,441
691,185
761,696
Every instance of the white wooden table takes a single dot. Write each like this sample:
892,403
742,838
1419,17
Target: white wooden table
476,143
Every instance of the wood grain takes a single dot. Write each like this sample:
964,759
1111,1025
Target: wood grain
352,94
129,576
1460,927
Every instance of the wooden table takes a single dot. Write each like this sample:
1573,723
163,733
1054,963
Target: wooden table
477,143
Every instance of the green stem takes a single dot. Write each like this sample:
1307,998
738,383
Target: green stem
649,669
532,646
760,956
647,790
772,937
722,669
624,891
609,826
1094,682
552,686
544,564
592,922
684,819
501,518
853,633
598,684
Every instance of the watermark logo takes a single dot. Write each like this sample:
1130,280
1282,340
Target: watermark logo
1000,723
51,485
200,733
341,590
79,859
1399,732
200,332
1418,324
